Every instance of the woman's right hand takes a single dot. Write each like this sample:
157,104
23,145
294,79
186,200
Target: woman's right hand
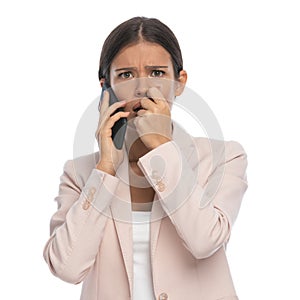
110,156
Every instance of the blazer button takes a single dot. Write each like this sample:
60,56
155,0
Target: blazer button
92,190
161,186
86,204
163,296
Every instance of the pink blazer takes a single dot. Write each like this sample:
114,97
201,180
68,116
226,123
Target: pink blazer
199,186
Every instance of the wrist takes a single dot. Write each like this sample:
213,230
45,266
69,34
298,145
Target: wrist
106,167
159,142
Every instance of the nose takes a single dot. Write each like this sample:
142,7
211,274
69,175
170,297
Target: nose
142,86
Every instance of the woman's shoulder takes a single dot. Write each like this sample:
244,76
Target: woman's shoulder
217,152
90,159
208,145
204,145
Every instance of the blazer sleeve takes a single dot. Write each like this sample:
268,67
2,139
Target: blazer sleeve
202,203
77,228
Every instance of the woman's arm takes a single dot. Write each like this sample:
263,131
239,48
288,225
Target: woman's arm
77,227
202,199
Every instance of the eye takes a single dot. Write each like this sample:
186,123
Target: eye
125,75
157,73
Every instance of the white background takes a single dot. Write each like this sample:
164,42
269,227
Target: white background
242,57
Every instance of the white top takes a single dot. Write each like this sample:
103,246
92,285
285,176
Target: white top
142,275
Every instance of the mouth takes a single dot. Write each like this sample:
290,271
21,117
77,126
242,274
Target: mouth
137,107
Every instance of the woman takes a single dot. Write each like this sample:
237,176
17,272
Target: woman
150,220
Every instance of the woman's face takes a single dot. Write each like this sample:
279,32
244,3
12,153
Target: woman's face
138,67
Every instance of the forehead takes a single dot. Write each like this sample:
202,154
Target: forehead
145,53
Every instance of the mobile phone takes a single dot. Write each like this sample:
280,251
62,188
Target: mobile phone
119,128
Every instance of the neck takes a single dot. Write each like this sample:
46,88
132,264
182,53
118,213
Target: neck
137,150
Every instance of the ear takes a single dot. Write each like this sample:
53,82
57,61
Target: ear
102,80
181,82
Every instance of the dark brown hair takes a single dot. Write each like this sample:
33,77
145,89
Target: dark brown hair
131,32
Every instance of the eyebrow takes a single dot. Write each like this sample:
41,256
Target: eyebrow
147,67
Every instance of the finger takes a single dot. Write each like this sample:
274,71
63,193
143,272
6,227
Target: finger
108,122
113,119
143,112
105,108
104,103
112,108
147,104
155,94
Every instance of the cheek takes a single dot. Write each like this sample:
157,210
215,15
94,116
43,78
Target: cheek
125,90
168,91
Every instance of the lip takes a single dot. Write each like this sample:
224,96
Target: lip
137,107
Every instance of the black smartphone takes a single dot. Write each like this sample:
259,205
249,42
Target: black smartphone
119,128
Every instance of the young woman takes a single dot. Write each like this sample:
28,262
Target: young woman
150,220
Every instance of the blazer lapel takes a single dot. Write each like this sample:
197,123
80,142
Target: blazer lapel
122,218
122,213
124,232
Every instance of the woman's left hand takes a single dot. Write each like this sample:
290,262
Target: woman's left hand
153,123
